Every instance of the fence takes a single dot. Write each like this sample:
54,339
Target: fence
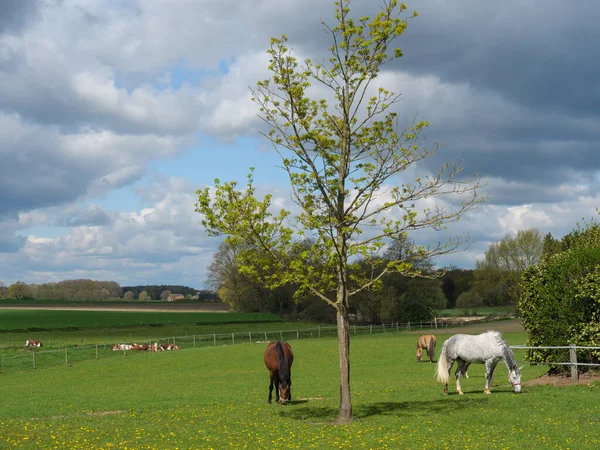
60,353
68,354
573,363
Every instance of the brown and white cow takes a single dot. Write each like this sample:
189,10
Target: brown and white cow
33,343
121,346
169,347
140,347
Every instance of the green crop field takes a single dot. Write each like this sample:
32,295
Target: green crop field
40,320
215,397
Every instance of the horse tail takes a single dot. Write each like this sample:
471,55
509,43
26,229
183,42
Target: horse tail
431,348
441,369
284,367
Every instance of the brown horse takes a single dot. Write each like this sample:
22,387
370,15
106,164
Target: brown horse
427,343
279,359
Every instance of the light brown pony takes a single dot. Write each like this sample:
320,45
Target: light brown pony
278,359
427,343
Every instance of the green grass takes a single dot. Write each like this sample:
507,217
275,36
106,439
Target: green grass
40,320
215,397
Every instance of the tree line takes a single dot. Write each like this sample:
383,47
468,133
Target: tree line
92,290
398,297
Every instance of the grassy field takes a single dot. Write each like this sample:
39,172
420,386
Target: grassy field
215,397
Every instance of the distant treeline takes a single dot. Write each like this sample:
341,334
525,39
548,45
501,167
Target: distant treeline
156,291
89,290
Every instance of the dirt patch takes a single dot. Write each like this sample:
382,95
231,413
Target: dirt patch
564,379
105,413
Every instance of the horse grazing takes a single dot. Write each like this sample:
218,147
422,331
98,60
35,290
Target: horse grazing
427,343
488,348
278,359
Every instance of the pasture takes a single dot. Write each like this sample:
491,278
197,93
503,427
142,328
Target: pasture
215,397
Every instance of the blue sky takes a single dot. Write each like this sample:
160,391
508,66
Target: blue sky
113,114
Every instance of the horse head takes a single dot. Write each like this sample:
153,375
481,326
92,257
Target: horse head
514,376
419,354
284,390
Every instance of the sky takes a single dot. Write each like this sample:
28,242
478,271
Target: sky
113,113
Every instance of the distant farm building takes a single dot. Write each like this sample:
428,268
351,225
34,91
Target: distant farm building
175,297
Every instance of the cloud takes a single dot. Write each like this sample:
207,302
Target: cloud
43,167
93,92
163,242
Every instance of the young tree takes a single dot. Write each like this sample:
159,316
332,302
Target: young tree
144,296
497,278
342,161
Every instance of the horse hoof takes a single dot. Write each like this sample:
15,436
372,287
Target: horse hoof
268,402
487,392
461,393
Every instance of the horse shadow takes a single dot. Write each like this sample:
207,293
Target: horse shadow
398,409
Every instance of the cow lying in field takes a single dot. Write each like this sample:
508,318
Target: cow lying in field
140,347
33,343
121,347
162,347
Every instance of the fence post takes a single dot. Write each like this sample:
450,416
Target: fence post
409,325
67,355
250,336
573,358
34,360
397,327
297,333
266,338
280,335
215,339
383,326
194,340
233,338
319,330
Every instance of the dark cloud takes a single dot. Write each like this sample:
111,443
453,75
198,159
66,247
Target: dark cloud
537,53
15,14
92,216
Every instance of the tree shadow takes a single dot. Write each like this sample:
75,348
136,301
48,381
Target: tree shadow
398,409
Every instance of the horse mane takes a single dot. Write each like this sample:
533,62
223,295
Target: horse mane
284,367
509,357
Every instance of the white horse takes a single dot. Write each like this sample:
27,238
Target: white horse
488,348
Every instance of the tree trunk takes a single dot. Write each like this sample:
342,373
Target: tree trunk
343,329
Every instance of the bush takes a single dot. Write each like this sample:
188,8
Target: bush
560,301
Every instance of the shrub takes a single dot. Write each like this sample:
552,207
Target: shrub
560,301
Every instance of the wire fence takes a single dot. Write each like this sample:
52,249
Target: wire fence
27,359
56,352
